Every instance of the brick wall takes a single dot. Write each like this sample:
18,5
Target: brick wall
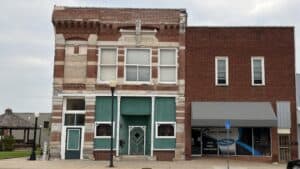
239,44
93,28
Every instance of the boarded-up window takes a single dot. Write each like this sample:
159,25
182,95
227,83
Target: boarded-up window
75,65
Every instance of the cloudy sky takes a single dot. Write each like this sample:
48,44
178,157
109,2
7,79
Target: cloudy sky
27,37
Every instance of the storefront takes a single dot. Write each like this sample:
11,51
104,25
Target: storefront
243,141
142,125
249,135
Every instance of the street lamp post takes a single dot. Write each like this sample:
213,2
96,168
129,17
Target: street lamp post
33,156
112,85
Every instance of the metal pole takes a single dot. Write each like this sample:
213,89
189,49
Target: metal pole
227,133
112,126
32,156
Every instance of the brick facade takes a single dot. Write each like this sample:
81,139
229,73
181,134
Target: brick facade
239,44
80,32
88,29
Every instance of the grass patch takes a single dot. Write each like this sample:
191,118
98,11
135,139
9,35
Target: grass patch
16,154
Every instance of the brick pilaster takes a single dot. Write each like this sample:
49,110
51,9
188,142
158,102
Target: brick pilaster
90,102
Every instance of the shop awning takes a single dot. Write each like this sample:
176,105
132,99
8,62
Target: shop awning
241,114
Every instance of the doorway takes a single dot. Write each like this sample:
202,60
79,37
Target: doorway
137,140
73,143
284,148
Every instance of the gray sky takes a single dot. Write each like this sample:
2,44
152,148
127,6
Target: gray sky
27,37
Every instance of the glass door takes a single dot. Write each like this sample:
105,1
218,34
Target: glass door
196,142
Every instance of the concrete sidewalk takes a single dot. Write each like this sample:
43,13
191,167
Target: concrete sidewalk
22,163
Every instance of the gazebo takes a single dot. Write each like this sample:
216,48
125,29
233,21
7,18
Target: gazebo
10,122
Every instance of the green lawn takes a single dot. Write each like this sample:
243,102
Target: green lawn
16,154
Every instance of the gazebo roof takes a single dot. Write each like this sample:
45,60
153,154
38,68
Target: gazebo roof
11,120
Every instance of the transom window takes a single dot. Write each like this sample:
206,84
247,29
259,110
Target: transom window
74,119
165,129
258,71
74,112
138,65
167,65
75,104
108,64
221,66
103,129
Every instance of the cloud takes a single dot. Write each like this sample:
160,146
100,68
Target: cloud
267,6
27,37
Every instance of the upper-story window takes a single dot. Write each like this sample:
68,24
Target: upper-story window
138,65
221,67
108,64
167,65
258,71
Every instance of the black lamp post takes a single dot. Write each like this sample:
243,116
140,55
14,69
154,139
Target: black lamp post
33,156
112,85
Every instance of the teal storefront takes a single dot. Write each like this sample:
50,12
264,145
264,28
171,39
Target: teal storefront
142,125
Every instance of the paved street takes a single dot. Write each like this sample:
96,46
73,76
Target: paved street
22,163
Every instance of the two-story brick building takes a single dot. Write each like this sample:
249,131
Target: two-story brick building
245,75
144,51
176,86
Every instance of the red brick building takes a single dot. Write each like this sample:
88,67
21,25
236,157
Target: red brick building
176,86
232,88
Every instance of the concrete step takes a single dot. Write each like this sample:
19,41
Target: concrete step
134,158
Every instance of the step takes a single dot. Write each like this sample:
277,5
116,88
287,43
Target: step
134,158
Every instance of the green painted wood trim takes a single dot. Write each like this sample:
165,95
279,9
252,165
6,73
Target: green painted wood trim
103,143
74,139
165,143
136,105
165,109
103,108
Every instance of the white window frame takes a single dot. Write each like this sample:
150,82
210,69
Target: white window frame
262,71
150,65
217,58
64,127
176,66
103,122
164,122
99,64
73,111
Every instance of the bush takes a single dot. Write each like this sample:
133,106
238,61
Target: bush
8,143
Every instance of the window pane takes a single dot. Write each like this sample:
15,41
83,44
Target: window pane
167,74
165,130
244,142
69,119
167,57
221,74
46,124
75,104
138,56
107,73
262,141
80,119
131,73
257,71
257,75
108,56
103,130
144,74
